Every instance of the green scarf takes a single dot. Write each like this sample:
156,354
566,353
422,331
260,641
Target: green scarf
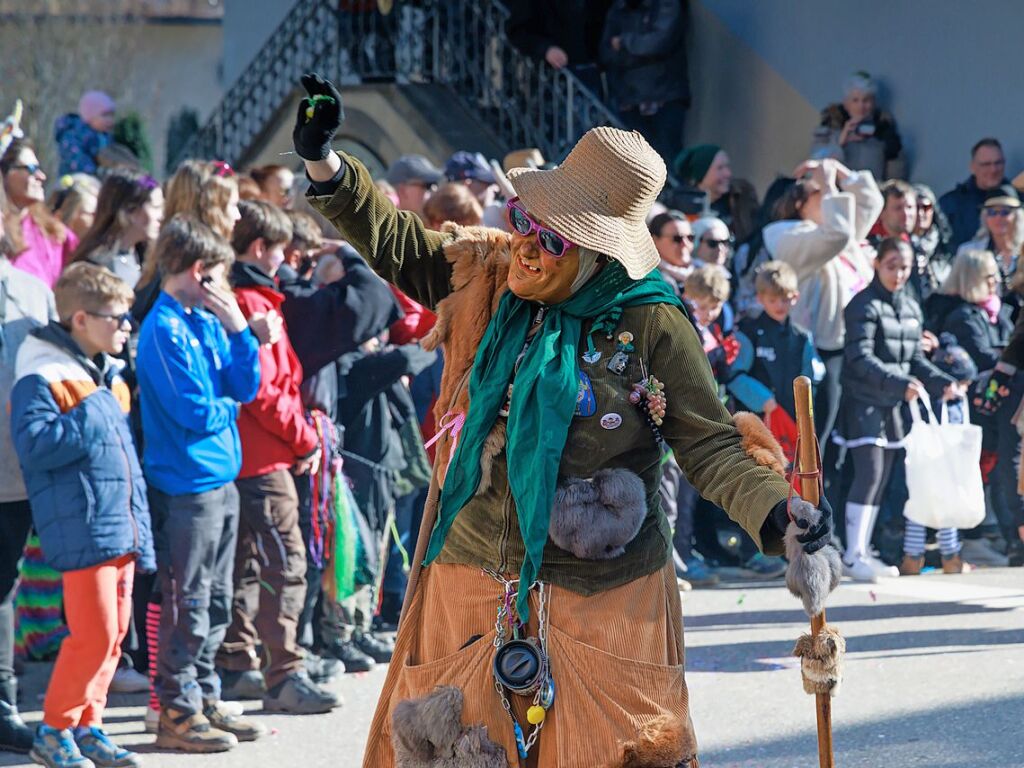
543,402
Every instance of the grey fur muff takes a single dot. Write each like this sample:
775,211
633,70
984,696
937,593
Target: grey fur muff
595,518
428,733
810,577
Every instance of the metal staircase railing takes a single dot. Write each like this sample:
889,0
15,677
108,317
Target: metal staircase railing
459,43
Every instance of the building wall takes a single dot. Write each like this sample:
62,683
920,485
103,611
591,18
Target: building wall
247,24
762,70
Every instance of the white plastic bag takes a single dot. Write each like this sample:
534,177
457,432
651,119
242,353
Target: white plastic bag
944,471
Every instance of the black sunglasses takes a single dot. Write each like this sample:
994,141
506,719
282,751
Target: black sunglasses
125,317
718,243
32,168
678,239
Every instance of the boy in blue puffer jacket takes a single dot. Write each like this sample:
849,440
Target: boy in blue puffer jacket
69,423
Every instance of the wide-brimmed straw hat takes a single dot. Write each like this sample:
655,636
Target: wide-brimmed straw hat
600,195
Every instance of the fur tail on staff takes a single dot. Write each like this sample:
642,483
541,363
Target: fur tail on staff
812,578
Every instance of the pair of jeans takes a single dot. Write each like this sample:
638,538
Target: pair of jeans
270,579
15,523
195,557
678,499
314,570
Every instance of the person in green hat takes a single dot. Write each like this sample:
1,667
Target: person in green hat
706,167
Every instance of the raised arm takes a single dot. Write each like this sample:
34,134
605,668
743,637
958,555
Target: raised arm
395,243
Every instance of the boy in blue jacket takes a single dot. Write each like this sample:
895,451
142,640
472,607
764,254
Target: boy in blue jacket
69,423
197,363
772,353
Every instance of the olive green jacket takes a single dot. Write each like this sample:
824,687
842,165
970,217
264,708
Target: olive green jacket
696,426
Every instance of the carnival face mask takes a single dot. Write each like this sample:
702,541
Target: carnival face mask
544,264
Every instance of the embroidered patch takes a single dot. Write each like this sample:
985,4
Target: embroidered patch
586,403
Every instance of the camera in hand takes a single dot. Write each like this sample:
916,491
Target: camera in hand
866,128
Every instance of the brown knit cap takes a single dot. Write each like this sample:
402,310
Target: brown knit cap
600,196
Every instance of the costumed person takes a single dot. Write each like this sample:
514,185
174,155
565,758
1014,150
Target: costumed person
545,627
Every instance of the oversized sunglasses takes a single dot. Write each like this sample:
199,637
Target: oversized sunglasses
30,168
548,239
1000,212
678,239
718,243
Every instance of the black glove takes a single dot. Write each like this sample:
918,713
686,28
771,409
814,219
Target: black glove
989,393
814,537
319,118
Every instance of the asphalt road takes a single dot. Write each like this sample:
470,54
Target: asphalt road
934,677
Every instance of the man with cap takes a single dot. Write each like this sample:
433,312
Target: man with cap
543,593
962,204
472,169
414,177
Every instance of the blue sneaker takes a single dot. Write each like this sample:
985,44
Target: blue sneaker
765,567
97,746
57,749
699,574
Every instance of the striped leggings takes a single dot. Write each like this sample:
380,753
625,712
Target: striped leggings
914,539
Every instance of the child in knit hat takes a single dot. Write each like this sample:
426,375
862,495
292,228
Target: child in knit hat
951,359
80,136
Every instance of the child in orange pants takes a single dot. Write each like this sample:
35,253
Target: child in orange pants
69,425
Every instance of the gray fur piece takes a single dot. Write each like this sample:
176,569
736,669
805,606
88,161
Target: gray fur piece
594,518
428,733
810,577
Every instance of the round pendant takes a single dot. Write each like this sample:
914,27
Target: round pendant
547,693
518,666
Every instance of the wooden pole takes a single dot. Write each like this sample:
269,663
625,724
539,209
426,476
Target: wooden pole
808,463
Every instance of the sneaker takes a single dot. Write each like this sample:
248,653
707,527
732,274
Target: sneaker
981,552
684,585
191,732
298,695
911,566
765,567
241,685
322,669
95,745
1015,554
349,655
860,570
699,574
57,749
15,736
882,568
152,720
224,719
378,650
953,564
128,680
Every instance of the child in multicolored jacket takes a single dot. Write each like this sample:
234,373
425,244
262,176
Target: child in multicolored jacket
69,423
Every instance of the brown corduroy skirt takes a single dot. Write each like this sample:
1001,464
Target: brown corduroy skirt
616,660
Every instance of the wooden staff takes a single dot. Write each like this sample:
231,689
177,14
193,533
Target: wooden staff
809,467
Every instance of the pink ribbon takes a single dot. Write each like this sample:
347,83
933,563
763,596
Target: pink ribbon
451,423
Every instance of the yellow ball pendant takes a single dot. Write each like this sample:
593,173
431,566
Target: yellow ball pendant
535,715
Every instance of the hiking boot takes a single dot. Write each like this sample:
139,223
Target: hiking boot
378,650
15,736
185,732
699,574
860,570
298,695
322,669
224,718
765,567
95,745
349,655
237,686
57,749
911,566
952,564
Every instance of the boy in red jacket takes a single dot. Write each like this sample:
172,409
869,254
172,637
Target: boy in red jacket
270,562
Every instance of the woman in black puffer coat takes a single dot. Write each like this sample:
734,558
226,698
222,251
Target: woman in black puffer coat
884,367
